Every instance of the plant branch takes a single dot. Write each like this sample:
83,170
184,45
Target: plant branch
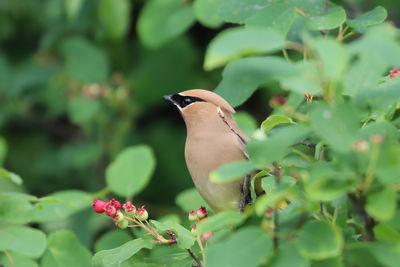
201,246
191,252
368,221
195,257
278,175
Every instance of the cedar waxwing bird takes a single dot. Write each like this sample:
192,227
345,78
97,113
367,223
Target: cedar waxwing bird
213,139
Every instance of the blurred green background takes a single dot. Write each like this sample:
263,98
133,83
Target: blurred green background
78,83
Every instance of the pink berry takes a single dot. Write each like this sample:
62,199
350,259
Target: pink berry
98,205
142,214
129,207
202,212
115,203
206,236
110,210
394,73
192,215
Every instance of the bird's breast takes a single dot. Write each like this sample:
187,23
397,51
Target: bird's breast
205,153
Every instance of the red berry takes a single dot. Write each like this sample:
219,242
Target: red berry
142,214
115,203
98,205
110,210
202,212
129,207
206,236
394,73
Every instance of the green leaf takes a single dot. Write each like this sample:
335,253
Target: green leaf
270,200
382,204
185,237
245,122
112,239
114,16
16,208
64,249
242,77
330,20
222,220
190,199
232,171
17,195
319,240
72,8
289,256
380,41
331,262
307,81
238,42
246,247
336,125
327,182
84,61
60,205
273,121
370,18
334,62
387,254
3,150
359,78
82,109
18,260
264,152
278,17
358,254
12,177
255,178
237,11
206,12
131,171
25,240
381,97
160,21
270,185
384,232
114,257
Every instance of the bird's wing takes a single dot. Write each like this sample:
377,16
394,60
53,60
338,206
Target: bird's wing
230,122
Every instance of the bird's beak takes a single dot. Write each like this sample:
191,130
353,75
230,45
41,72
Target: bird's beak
168,98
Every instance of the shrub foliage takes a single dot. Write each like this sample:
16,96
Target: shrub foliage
328,156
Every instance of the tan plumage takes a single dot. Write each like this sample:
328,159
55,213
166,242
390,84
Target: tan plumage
213,139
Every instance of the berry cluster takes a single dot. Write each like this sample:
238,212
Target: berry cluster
198,216
113,209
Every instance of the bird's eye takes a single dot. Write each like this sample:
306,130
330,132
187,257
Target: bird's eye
187,100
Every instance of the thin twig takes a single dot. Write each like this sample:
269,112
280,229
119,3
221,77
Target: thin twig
201,247
278,175
368,221
321,209
191,252
194,256
173,236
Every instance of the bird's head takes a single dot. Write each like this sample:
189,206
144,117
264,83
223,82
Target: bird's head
198,103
